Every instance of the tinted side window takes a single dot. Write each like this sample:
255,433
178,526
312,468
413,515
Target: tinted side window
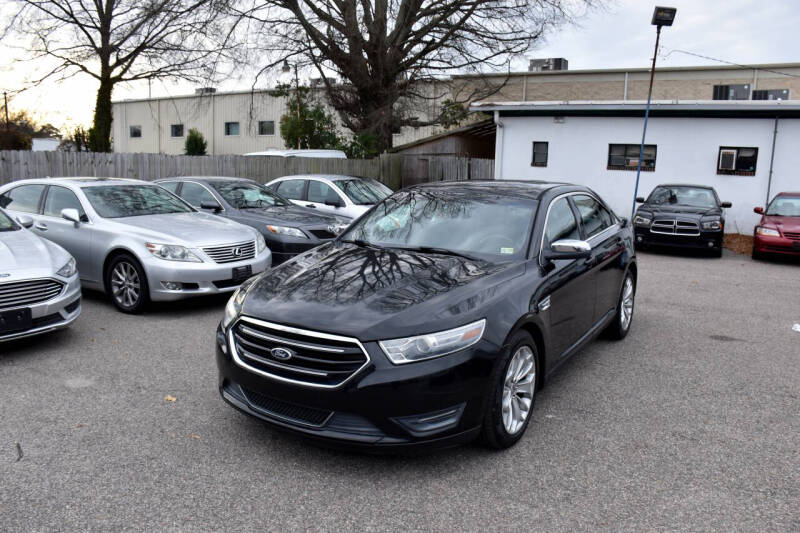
24,198
319,192
195,194
291,189
59,198
171,186
561,223
594,216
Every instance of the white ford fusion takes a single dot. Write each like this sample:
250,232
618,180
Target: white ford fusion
137,241
39,286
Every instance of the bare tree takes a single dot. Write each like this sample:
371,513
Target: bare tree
390,50
118,41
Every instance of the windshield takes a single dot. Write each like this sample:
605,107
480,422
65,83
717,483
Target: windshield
784,206
117,201
478,225
363,191
243,195
689,196
6,224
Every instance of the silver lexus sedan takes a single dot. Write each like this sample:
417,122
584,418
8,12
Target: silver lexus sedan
137,241
39,286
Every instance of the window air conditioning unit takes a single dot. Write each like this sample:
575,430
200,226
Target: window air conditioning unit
727,159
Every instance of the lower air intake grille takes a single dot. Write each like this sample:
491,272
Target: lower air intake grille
287,411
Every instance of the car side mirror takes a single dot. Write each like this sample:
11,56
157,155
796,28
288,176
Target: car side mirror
639,199
568,249
25,221
726,205
211,206
72,215
758,210
334,203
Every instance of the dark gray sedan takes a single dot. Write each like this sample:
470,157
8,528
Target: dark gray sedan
287,228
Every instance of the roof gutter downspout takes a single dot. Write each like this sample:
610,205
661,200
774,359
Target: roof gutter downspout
498,147
772,159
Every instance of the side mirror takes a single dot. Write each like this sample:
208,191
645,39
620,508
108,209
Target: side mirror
334,203
211,206
639,199
726,205
568,249
623,222
758,210
25,221
72,215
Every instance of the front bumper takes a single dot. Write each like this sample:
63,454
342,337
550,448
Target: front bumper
54,314
378,408
198,279
706,240
765,244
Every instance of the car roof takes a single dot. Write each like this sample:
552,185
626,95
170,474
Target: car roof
785,193
84,181
532,189
331,177
695,185
204,178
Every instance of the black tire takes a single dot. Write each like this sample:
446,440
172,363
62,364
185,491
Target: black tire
757,256
619,328
125,302
494,433
716,252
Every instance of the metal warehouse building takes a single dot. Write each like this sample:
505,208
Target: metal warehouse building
747,150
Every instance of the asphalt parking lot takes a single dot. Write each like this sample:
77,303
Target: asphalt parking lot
692,422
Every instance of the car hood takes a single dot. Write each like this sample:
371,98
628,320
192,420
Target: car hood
659,210
194,229
376,294
23,255
791,224
294,215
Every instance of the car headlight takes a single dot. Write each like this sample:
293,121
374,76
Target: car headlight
421,347
68,270
260,243
713,225
284,230
641,220
172,252
234,306
769,232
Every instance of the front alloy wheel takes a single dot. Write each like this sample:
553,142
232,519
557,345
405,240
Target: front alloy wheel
127,284
518,389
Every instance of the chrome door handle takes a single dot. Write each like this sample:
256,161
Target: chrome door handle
40,226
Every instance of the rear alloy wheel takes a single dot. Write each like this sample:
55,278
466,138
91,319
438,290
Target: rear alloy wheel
512,396
619,328
127,284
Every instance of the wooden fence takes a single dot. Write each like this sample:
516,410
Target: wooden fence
396,170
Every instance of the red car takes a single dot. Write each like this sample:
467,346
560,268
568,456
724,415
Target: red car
779,229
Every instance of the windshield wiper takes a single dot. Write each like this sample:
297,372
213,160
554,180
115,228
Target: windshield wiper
435,250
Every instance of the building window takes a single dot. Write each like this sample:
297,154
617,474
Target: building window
731,92
135,132
231,128
266,127
771,94
737,161
176,130
539,154
626,157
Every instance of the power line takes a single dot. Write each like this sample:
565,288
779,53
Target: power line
731,63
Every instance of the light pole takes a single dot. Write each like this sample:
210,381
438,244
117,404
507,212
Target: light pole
662,16
287,68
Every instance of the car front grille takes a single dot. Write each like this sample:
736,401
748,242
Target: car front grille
295,355
30,292
790,235
322,234
675,227
230,253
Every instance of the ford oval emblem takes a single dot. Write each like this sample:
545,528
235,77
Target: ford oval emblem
283,354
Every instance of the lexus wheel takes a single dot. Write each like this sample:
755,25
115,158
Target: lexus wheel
621,325
127,284
511,399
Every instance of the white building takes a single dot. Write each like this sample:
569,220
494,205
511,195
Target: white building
45,144
747,150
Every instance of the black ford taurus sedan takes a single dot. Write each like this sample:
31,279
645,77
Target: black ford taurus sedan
287,228
433,319
681,216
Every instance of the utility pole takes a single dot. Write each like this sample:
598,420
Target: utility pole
5,100
297,95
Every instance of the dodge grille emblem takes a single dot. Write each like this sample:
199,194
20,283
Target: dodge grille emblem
281,353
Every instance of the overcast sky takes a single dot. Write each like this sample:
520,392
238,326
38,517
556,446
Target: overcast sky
740,31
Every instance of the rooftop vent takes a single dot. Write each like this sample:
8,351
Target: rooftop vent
202,91
551,63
